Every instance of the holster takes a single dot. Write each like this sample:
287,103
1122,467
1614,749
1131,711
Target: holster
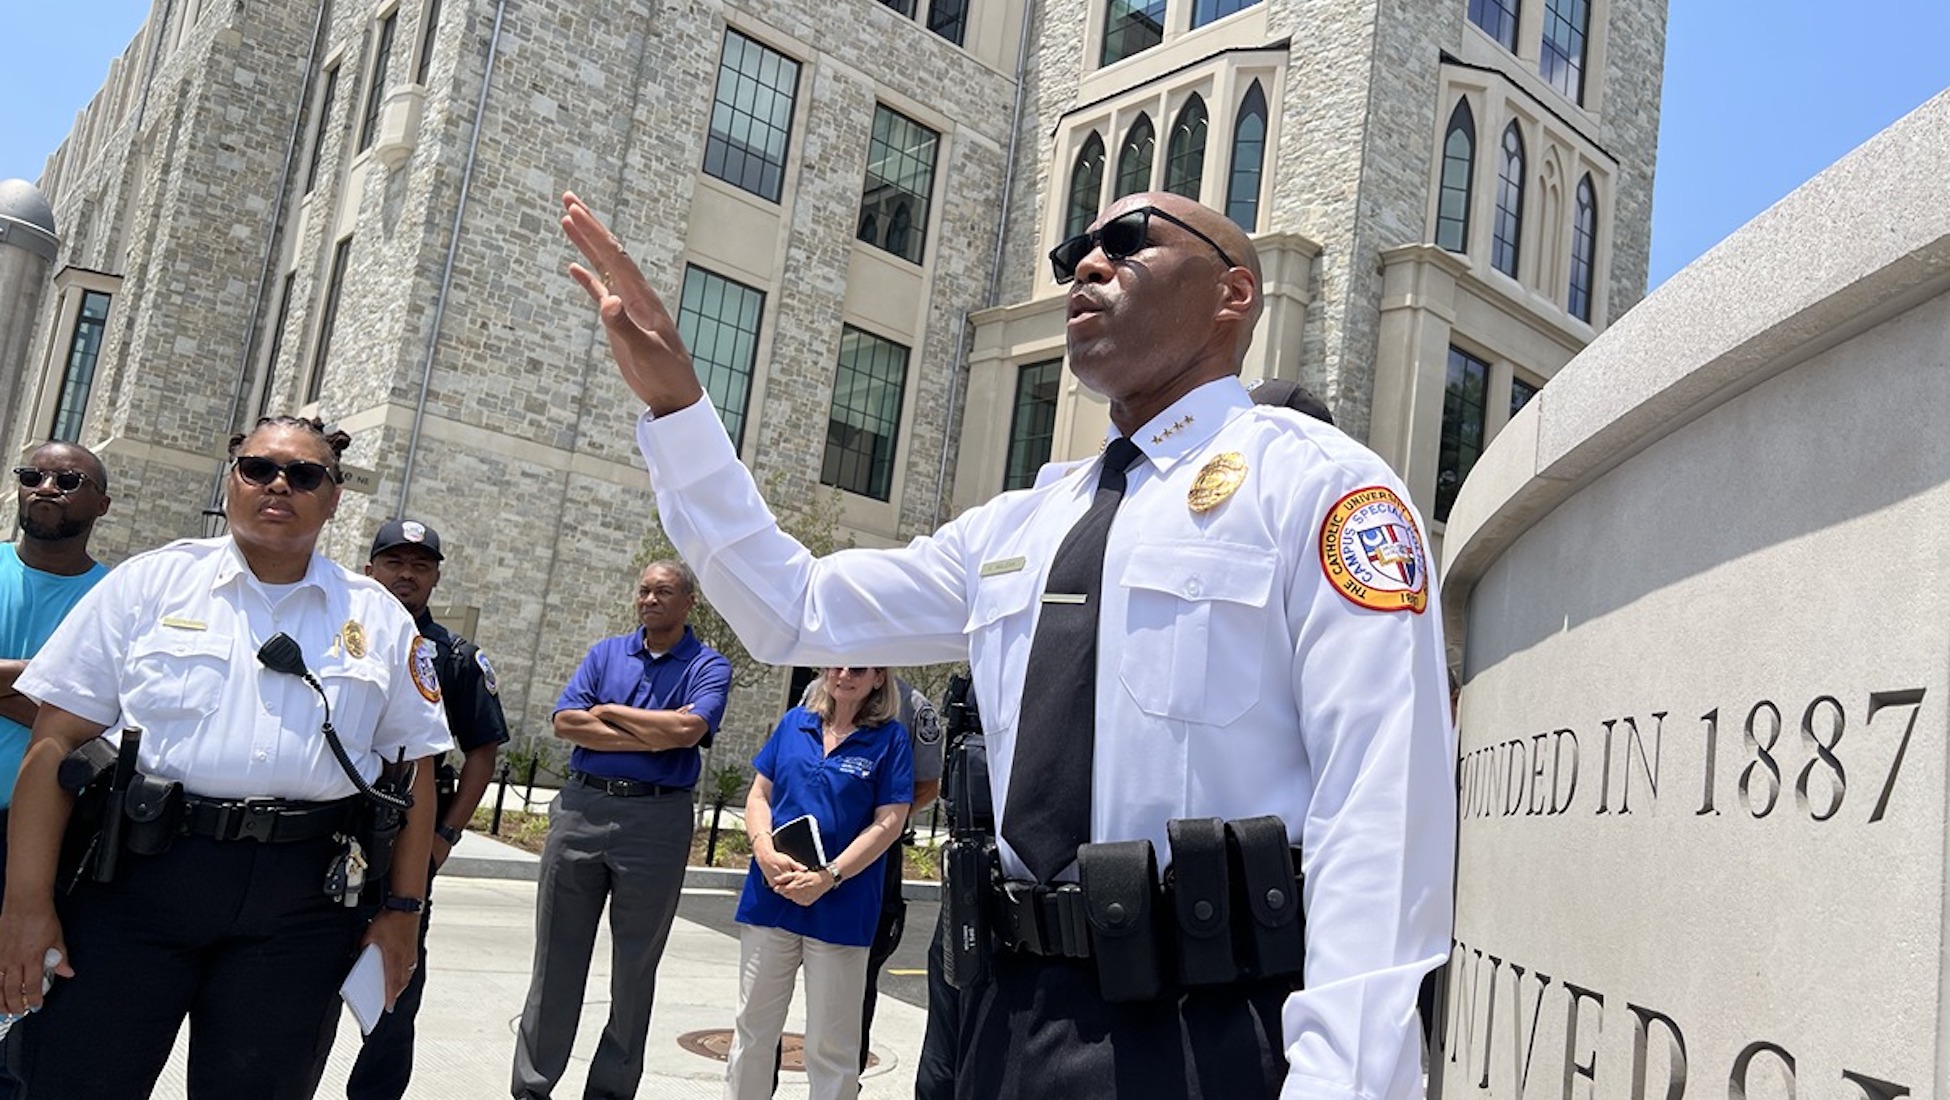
154,809
1199,892
1119,880
966,955
1270,928
86,773
446,784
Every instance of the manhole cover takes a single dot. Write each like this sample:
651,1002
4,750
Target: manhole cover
716,1044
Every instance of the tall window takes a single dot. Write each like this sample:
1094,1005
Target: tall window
905,7
84,352
1205,11
1131,27
718,320
1520,394
751,117
866,416
376,91
1033,427
1185,158
900,177
328,319
1463,426
1584,249
320,126
427,28
1086,186
1507,231
1498,18
949,19
1248,159
277,344
1566,23
1134,158
1458,166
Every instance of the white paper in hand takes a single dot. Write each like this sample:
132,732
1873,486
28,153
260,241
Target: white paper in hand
365,989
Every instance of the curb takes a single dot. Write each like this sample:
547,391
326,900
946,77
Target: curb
695,878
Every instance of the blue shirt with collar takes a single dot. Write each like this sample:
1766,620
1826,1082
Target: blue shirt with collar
620,670
873,767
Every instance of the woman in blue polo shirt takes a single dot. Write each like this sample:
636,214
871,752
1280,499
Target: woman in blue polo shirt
843,759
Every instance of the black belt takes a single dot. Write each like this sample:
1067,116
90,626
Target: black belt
623,788
1043,920
265,820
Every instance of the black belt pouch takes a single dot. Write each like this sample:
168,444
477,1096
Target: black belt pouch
1119,879
154,809
1200,896
1270,926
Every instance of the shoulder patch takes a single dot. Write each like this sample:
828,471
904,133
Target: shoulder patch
420,665
927,722
488,681
1373,554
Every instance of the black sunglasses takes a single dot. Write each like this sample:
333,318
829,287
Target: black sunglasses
851,670
65,480
1124,235
303,477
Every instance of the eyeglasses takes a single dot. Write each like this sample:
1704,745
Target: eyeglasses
303,477
850,670
65,480
1122,236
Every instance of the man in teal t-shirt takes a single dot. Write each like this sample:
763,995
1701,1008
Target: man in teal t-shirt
63,491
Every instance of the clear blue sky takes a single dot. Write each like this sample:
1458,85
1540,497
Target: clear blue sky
1759,96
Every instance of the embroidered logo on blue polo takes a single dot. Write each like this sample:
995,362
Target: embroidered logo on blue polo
856,766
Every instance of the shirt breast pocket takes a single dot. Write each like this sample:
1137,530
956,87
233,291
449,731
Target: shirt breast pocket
1194,645
358,695
177,676
998,639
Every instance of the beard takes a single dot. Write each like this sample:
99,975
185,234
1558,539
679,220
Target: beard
66,528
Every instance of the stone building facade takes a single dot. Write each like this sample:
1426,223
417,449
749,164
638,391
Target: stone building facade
351,209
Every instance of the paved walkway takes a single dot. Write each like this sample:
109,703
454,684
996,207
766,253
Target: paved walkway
479,952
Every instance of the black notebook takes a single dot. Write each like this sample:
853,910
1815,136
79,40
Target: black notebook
799,838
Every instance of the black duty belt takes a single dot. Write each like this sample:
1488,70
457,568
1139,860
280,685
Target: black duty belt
1042,920
265,820
623,788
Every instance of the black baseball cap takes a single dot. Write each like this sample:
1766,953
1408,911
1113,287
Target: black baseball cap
406,532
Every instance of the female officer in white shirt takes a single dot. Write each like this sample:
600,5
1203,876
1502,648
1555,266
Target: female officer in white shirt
232,925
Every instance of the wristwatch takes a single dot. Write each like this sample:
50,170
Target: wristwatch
403,905
834,870
447,833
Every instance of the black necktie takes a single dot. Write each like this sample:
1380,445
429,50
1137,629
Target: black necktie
1047,814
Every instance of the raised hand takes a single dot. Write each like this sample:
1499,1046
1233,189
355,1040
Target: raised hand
642,332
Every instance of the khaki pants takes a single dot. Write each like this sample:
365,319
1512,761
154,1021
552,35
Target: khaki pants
836,980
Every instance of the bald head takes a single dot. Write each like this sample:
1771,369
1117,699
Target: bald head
1222,234
70,456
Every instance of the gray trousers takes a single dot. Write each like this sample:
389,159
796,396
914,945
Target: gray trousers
630,852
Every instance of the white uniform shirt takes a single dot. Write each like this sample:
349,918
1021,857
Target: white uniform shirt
1234,679
168,643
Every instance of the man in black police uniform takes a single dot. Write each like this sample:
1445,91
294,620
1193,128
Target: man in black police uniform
406,559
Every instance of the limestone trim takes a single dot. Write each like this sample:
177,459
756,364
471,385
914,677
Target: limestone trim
1248,28
1742,313
1481,49
71,285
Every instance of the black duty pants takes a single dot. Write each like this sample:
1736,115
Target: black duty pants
886,937
385,1065
934,1072
1041,1029
235,935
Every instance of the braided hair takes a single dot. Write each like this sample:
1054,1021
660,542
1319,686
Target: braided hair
334,439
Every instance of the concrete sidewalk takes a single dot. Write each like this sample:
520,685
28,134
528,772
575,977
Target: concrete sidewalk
479,952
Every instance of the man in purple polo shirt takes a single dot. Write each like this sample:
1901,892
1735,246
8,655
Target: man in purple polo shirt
636,711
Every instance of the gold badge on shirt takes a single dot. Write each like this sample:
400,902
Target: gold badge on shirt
1220,478
354,637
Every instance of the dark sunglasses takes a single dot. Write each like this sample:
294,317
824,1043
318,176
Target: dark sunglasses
851,670
1122,236
65,480
303,477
